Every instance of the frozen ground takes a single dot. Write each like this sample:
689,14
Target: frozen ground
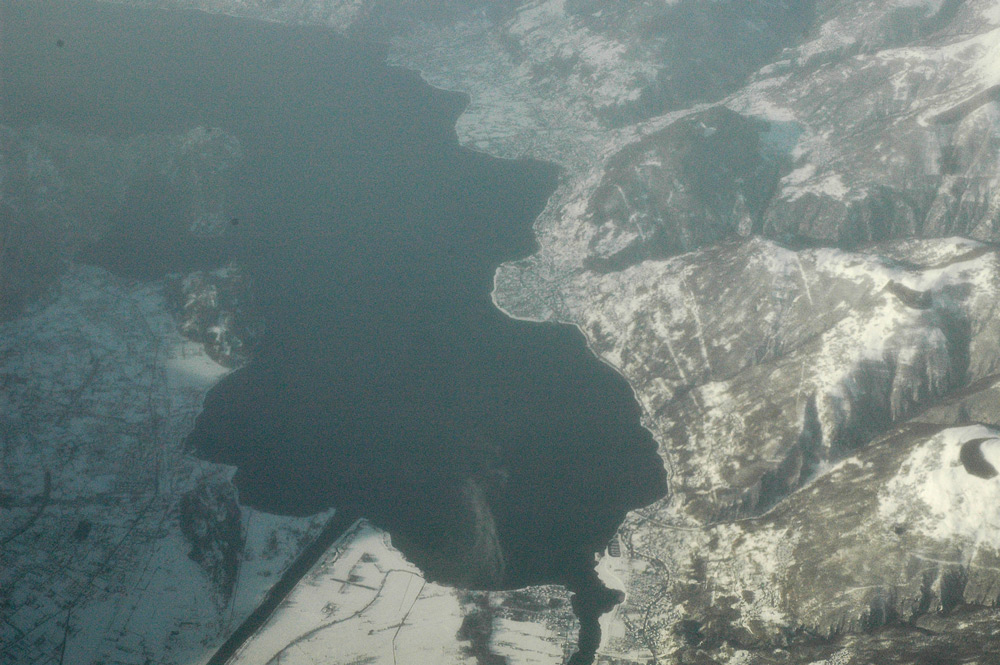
99,390
365,603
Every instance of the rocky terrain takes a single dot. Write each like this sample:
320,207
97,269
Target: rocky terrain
756,258
815,488
778,221
736,262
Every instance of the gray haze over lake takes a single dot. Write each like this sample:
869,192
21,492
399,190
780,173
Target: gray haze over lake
498,453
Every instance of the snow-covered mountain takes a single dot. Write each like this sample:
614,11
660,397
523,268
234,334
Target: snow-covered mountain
777,220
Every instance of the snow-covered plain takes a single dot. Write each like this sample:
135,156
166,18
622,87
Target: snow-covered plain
365,603
99,391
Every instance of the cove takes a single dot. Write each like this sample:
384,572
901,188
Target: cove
497,453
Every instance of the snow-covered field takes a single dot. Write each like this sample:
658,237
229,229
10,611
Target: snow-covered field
365,603
99,390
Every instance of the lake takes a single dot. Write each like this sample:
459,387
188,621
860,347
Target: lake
497,453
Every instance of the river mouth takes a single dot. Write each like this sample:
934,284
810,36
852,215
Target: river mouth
498,453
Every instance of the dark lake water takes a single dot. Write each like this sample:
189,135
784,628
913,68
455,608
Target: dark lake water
497,453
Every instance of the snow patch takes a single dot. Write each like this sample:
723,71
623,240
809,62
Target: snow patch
525,643
934,493
365,603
